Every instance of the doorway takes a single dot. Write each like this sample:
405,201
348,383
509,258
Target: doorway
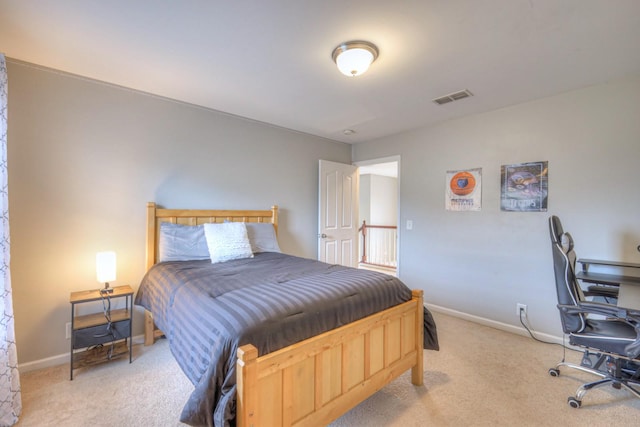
379,203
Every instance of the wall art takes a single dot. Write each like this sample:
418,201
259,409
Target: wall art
524,187
464,190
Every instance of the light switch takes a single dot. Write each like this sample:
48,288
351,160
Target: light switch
409,224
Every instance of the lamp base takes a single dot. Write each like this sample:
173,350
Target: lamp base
106,291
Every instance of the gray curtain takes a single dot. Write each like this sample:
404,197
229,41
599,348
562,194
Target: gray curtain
10,399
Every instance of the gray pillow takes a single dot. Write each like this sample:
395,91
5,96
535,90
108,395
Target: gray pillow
262,237
179,242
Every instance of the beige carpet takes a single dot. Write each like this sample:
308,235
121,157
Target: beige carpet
480,377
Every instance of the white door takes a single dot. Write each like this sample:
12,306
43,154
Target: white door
338,214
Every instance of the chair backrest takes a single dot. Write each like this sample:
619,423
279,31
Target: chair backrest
567,286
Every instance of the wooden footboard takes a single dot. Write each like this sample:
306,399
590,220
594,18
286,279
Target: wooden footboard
317,380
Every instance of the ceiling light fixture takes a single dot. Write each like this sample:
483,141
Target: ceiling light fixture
354,58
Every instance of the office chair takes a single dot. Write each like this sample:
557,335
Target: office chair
597,292
610,343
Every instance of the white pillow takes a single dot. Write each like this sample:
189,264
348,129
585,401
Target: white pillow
227,241
262,237
178,242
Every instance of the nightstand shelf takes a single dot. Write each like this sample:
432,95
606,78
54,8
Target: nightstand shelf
101,336
97,355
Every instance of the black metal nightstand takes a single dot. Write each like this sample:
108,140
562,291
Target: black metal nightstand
92,332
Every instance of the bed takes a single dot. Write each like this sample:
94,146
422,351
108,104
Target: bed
308,363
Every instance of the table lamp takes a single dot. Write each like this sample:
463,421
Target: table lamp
106,269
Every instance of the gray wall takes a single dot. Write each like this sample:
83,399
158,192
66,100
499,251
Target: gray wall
384,196
378,195
86,157
364,193
483,263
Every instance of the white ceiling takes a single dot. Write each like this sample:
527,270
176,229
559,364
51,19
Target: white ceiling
270,61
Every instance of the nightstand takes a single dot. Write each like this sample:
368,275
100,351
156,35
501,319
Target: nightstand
103,335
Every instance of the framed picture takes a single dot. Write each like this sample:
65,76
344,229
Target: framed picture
464,190
524,187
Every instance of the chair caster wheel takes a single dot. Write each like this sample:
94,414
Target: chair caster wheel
554,372
574,403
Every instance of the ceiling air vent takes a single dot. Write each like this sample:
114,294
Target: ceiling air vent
453,97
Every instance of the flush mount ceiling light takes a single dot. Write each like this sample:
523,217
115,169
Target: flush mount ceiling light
354,58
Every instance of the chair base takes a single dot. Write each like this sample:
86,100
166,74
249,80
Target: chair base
618,372
576,402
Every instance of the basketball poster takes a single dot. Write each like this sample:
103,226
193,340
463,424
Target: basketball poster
464,190
524,187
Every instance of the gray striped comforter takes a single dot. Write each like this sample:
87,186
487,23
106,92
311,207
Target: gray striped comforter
271,301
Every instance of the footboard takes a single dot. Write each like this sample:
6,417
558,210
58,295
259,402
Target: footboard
317,380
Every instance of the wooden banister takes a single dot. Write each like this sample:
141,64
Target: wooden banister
389,260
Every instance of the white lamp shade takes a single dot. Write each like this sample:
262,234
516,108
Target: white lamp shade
106,266
354,62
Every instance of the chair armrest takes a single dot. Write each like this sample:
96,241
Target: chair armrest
603,309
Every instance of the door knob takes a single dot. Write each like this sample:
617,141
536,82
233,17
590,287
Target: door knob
323,236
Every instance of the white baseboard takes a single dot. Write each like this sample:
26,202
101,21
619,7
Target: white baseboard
519,330
58,360
64,358
43,363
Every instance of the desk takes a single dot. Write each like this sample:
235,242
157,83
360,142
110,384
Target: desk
629,293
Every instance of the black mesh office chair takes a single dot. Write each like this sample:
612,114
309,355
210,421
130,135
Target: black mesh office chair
611,342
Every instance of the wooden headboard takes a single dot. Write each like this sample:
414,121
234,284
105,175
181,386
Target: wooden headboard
157,215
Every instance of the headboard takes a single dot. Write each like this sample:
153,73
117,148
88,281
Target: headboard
157,215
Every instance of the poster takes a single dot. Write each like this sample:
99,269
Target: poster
524,187
464,190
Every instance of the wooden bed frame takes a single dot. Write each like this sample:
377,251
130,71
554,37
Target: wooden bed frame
315,381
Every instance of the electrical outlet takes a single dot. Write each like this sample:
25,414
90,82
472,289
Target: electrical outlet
67,330
520,308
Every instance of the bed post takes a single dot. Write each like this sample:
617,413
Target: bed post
149,327
417,372
151,234
274,217
150,260
247,385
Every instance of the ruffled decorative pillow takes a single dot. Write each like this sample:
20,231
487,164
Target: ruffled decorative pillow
227,241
